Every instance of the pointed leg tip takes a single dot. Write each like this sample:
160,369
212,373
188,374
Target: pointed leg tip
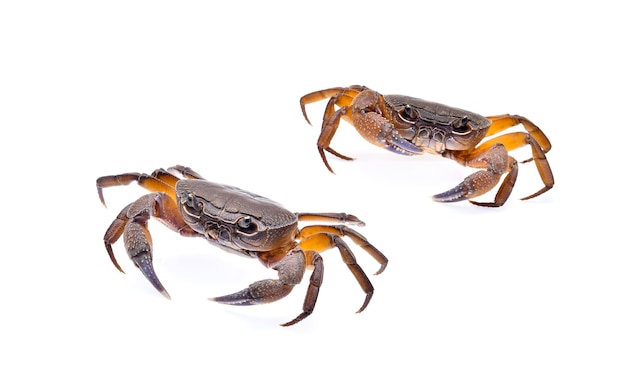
538,193
488,205
353,220
329,168
298,319
109,249
289,323
366,302
100,194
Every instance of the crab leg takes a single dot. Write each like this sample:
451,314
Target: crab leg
321,238
311,240
328,132
501,122
346,94
341,97
330,217
538,146
132,221
315,282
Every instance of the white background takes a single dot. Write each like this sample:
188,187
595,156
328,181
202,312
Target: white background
534,291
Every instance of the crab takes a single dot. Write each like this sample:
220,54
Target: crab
411,126
240,222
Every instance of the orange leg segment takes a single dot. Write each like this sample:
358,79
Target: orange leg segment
538,141
316,239
501,122
132,221
310,241
340,97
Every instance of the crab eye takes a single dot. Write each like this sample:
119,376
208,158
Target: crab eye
408,113
461,127
191,203
246,224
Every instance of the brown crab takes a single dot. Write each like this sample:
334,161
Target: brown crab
237,221
411,126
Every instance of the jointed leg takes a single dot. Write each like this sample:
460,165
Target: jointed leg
132,223
501,122
321,243
341,97
539,144
320,238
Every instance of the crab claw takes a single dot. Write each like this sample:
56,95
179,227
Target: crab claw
463,191
290,271
260,292
143,261
478,184
391,140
